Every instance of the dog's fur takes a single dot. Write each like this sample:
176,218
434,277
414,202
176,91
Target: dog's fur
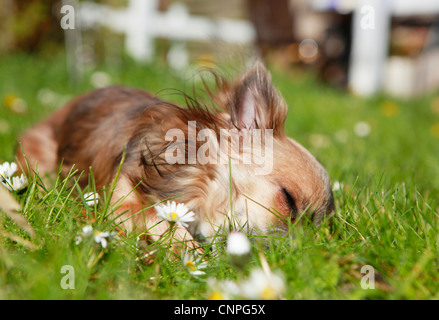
94,129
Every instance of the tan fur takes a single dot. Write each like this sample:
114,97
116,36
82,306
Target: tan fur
96,129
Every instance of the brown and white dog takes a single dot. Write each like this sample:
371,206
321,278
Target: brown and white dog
98,128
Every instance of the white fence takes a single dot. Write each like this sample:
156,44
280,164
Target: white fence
369,54
141,22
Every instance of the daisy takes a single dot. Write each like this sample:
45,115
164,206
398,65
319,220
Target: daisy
102,237
7,169
238,248
238,244
264,285
337,186
86,232
175,213
193,263
223,290
16,183
100,79
15,103
91,198
362,129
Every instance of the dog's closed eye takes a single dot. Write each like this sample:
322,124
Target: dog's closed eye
286,203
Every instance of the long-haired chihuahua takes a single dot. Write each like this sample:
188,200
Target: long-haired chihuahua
228,163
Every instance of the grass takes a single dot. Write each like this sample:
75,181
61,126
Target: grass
387,203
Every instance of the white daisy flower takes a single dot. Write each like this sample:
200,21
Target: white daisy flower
19,183
238,244
362,129
101,237
223,290
78,239
264,285
100,79
46,96
86,232
238,248
175,213
15,183
193,263
337,186
104,236
7,170
91,198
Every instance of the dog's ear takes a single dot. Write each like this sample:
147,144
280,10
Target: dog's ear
253,102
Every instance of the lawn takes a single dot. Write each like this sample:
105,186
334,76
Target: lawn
381,154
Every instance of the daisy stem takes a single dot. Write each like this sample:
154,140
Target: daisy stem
264,263
95,257
170,233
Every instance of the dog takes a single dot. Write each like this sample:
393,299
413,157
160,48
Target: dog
125,130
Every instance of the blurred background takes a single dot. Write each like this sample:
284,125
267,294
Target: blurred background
356,74
365,46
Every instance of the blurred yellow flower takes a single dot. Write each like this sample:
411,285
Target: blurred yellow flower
435,130
389,109
9,99
15,103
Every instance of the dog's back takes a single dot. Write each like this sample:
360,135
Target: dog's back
90,131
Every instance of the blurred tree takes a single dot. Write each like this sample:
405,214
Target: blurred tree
29,26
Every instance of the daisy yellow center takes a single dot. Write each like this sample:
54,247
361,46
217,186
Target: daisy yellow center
190,264
268,293
173,216
216,296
